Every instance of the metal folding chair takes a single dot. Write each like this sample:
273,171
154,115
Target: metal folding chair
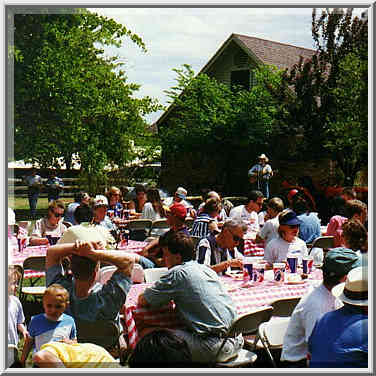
139,229
103,333
272,332
324,242
158,227
245,324
35,263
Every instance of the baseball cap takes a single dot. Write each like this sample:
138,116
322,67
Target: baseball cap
178,210
100,200
181,193
289,218
355,290
292,193
339,261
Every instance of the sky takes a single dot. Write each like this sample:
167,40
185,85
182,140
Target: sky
177,36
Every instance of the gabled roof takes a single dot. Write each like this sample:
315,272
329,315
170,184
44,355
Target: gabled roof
261,51
264,51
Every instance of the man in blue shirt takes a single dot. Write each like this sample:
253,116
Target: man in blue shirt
340,338
89,300
54,186
201,301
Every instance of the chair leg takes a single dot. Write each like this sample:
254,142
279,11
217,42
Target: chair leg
266,345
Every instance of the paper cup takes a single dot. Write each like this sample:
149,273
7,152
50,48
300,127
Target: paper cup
279,271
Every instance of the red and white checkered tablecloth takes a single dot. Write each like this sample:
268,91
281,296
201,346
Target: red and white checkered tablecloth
251,248
245,300
133,246
19,257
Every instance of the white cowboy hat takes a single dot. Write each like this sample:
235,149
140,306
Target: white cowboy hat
355,290
263,156
84,233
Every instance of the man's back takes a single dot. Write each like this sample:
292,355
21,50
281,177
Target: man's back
340,339
199,297
102,303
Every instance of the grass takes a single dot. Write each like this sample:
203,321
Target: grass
20,205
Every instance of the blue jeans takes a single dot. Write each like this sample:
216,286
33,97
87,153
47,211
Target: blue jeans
146,263
33,200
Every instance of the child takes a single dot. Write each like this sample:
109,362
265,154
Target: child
16,316
53,334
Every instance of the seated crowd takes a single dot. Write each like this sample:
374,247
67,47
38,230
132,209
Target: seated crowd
86,236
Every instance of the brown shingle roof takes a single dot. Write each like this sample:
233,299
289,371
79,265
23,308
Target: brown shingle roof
275,53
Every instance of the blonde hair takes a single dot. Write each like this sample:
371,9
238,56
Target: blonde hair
14,273
57,291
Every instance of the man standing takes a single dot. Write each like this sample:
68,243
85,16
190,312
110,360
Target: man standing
34,184
260,174
54,185
340,338
200,299
248,212
337,264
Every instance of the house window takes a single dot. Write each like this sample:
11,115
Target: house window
240,78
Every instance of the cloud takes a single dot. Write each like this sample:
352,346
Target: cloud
176,36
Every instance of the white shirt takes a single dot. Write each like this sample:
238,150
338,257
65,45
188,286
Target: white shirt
270,230
277,250
251,218
310,308
148,212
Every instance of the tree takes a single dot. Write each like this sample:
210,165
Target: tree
70,99
319,109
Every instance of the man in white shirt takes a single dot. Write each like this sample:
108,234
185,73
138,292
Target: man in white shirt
34,184
337,264
248,212
270,229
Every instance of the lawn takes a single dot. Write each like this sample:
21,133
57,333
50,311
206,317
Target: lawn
21,206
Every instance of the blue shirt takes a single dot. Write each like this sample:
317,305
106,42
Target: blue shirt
310,228
44,330
340,339
104,301
69,213
200,299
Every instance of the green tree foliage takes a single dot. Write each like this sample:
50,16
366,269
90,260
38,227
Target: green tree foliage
69,98
321,109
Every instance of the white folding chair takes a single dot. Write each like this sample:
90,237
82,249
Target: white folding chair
159,227
245,324
36,263
154,274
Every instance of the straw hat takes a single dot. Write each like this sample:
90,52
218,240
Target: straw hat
355,290
263,156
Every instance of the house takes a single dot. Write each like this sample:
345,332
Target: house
233,64
239,55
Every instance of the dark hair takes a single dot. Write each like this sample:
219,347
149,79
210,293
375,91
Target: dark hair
79,196
82,268
355,207
211,205
154,197
161,348
139,188
178,243
355,235
300,204
349,191
254,195
83,213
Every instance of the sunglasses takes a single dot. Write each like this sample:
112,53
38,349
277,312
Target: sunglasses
57,215
293,226
236,238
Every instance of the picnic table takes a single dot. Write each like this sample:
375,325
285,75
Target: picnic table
41,250
245,300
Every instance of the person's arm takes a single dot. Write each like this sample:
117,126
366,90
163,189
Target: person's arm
38,241
224,265
122,260
150,247
142,302
22,329
28,344
36,237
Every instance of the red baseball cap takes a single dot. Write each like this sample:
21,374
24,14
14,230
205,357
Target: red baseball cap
292,193
178,210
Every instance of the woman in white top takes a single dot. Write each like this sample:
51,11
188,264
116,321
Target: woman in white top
153,208
288,241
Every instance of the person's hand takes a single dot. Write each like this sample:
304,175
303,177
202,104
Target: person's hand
83,248
25,335
43,241
68,341
236,263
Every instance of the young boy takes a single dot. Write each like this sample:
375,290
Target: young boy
53,334
16,316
